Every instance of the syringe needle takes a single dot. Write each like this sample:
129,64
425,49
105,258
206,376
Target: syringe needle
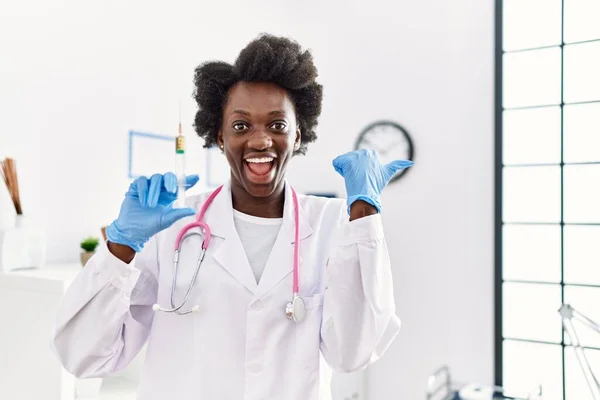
180,164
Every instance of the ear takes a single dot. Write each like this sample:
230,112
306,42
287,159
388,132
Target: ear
220,140
298,139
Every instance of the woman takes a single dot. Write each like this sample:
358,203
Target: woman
244,341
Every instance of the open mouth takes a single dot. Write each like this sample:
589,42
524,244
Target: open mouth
259,167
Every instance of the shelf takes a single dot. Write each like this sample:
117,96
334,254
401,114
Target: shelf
52,278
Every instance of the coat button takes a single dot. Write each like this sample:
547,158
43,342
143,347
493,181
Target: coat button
255,367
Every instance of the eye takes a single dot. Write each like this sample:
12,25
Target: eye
278,125
239,126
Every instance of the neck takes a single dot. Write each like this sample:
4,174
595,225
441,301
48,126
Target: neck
270,206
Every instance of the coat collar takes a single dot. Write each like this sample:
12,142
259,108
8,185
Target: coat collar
231,255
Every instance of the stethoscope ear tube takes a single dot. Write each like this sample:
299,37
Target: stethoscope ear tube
176,309
296,309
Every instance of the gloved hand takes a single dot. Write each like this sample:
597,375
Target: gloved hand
147,210
365,176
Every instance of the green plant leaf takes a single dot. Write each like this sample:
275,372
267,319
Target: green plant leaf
90,243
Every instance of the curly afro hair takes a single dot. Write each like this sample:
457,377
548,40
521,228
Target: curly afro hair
267,58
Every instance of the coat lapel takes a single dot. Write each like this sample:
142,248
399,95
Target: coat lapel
281,260
230,254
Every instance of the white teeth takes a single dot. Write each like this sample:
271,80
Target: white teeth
260,160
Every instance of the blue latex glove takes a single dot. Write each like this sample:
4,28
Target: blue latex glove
365,176
147,210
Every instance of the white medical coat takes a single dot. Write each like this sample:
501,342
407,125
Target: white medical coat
240,345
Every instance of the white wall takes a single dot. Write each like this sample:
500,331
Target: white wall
76,76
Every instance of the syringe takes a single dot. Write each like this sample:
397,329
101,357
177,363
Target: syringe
180,165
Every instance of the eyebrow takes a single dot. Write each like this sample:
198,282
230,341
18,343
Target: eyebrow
277,112
241,112
246,113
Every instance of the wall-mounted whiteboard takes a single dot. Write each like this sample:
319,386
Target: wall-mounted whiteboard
150,153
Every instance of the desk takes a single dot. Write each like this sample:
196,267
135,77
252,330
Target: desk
29,370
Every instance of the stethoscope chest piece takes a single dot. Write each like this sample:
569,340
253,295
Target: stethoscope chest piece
295,309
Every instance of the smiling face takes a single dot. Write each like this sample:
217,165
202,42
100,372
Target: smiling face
258,135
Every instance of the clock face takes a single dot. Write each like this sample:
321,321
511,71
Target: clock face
390,140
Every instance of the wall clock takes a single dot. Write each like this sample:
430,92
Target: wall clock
390,140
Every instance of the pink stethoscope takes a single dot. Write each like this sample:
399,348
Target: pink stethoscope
294,310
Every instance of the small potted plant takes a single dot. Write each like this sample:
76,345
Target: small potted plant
88,245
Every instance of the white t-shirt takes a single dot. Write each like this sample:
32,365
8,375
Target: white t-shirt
258,237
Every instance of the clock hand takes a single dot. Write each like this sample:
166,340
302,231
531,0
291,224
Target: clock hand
372,145
394,146
383,152
368,142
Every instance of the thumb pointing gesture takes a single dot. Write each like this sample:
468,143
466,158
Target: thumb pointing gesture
391,168
365,175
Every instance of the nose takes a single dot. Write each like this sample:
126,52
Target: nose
260,140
